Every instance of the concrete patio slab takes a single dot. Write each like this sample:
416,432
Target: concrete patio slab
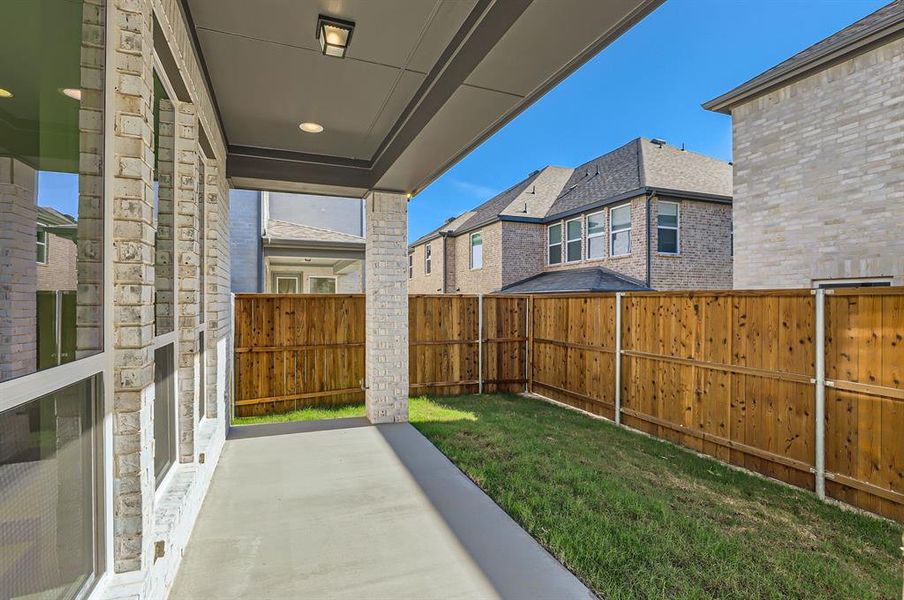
341,509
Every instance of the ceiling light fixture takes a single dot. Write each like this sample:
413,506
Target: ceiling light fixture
334,34
74,93
5,93
309,127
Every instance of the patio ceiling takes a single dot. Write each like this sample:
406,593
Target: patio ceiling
422,84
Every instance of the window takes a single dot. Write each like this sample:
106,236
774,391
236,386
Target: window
202,376
428,259
573,232
554,233
164,218
322,285
202,237
410,266
667,219
53,144
476,250
852,283
164,412
52,538
596,235
287,285
42,244
620,230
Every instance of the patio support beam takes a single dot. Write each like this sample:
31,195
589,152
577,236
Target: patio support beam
386,308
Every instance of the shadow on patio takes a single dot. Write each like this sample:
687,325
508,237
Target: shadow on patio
344,509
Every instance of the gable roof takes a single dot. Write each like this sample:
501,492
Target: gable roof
591,279
285,231
630,170
877,28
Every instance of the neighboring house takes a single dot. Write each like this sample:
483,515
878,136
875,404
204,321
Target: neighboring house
56,254
819,162
296,244
646,215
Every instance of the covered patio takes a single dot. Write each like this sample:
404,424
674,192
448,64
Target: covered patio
341,509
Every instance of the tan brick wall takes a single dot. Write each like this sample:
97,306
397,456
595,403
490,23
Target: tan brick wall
465,280
523,251
704,258
60,271
421,283
819,176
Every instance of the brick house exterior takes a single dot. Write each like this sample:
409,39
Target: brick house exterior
819,161
644,174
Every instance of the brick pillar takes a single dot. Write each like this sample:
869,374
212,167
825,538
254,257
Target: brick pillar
18,269
217,286
133,284
386,347
188,252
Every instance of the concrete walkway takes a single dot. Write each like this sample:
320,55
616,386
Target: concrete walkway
342,509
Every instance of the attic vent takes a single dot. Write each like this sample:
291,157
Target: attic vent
450,219
658,141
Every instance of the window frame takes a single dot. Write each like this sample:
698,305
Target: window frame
549,243
428,259
676,228
45,244
471,250
613,231
568,241
334,279
590,236
288,278
410,265
831,284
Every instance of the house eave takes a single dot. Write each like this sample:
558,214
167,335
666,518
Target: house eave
886,32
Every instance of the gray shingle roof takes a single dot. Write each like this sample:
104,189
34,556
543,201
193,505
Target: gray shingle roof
592,279
630,169
885,22
287,231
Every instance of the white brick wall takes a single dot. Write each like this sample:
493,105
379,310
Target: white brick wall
386,331
819,176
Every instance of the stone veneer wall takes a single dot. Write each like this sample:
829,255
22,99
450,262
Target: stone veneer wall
386,330
819,176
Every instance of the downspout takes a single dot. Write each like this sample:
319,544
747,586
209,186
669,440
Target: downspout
445,260
650,195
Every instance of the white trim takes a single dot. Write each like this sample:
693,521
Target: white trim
40,383
164,339
333,277
851,281
428,259
471,251
549,244
676,228
580,239
410,265
601,234
613,232
287,278
45,243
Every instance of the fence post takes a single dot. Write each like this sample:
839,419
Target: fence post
527,320
820,381
618,342
479,343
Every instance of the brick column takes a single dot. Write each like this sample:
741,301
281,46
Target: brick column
133,285
18,269
386,347
188,252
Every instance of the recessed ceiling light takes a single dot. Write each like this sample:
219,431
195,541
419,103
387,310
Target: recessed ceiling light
74,93
334,34
5,93
309,127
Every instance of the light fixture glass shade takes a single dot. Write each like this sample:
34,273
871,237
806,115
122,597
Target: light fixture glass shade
334,35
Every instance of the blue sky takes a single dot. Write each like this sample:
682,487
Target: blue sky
649,83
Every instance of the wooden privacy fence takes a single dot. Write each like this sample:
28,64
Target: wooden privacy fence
806,387
295,351
741,376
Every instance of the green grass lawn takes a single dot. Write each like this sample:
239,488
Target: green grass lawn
636,517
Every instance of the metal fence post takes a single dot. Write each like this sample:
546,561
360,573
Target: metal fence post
820,381
618,341
479,343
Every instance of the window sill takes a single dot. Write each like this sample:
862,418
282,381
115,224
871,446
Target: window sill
669,254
